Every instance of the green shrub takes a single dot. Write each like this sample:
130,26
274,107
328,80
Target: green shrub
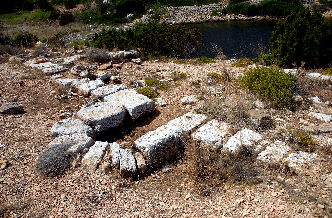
156,83
25,39
152,39
303,38
264,59
216,76
66,18
301,140
242,62
41,15
327,71
271,84
148,92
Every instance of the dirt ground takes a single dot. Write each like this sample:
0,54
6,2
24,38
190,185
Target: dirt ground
169,192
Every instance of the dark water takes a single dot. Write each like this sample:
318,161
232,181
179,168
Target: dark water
235,39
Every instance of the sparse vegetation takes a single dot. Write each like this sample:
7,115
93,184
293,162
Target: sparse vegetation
264,59
99,56
327,71
148,92
271,84
301,140
25,39
156,83
216,76
244,62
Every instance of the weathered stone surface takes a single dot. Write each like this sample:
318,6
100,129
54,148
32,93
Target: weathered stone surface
319,76
245,137
95,154
212,133
66,82
76,70
136,60
48,68
274,153
107,90
160,145
71,126
297,159
136,104
188,122
161,102
103,75
128,167
115,154
291,71
323,117
69,61
191,99
75,143
11,108
141,164
103,115
85,86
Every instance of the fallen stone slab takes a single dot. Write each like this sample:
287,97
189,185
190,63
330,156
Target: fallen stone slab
188,122
103,75
48,68
136,104
161,145
71,126
11,108
75,143
57,158
107,90
69,61
103,115
66,82
297,159
319,76
245,137
95,154
274,153
128,167
85,86
323,117
212,133
191,99
115,155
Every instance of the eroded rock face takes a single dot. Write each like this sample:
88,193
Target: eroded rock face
160,145
274,153
115,154
11,108
71,126
128,167
75,143
103,115
212,133
85,86
245,137
188,122
95,154
48,68
136,104
107,90
297,159
190,99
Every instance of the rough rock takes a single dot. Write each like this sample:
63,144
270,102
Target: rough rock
323,117
103,115
297,159
140,162
76,70
103,75
128,167
66,82
48,68
319,76
245,137
71,126
191,99
105,66
161,102
160,145
274,153
115,154
107,90
136,104
69,61
188,122
75,143
136,60
212,133
11,108
316,100
85,86
95,154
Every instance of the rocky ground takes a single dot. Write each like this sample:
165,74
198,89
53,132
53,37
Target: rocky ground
279,180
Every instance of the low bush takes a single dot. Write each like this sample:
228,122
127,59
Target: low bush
152,39
216,76
41,15
25,39
66,18
271,84
100,56
327,71
264,59
301,140
156,83
304,38
148,92
242,62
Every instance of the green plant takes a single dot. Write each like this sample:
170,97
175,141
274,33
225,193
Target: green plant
216,76
301,140
264,59
148,92
41,15
271,84
156,83
303,38
66,18
25,39
202,60
77,44
178,76
242,62
327,71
